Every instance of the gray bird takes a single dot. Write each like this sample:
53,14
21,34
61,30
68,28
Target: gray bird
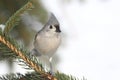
47,40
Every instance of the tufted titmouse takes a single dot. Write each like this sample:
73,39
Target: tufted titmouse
47,40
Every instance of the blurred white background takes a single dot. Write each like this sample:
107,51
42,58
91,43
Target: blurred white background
91,37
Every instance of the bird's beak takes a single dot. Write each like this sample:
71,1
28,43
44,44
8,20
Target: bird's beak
58,30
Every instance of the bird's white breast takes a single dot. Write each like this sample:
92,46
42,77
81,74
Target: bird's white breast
47,45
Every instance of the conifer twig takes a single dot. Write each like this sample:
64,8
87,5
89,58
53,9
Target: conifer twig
21,55
14,19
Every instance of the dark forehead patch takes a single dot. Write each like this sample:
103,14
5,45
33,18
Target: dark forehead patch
57,26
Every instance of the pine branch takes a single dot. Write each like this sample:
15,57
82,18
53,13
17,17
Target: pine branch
35,76
6,40
62,76
13,21
28,76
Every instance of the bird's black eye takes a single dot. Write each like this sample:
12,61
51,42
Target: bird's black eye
51,26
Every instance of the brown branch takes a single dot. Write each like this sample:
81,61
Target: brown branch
31,64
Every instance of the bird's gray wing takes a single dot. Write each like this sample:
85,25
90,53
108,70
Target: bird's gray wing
35,52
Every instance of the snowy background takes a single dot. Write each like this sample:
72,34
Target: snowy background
91,38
